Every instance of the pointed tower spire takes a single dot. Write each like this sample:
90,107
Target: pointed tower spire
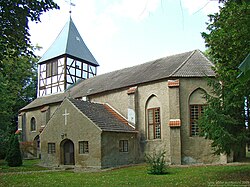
67,60
69,42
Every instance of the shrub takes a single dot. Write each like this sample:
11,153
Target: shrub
157,163
14,157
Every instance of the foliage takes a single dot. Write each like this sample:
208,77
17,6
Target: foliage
18,82
14,157
14,18
228,40
4,139
157,163
17,61
128,176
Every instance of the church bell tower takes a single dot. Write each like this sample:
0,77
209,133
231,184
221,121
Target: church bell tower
66,61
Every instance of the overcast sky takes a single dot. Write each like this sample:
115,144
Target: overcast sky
123,33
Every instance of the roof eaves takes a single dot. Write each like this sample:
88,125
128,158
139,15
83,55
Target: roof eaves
126,131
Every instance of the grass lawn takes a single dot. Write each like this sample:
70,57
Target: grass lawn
133,176
28,165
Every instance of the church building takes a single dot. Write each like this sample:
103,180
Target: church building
114,119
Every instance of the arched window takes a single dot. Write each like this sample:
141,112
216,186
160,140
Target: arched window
153,118
33,124
197,102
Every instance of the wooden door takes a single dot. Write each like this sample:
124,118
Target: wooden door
68,148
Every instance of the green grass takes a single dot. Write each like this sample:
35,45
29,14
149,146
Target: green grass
135,176
28,165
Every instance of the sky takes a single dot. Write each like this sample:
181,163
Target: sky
124,33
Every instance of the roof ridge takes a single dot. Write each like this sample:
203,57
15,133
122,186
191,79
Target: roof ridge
143,63
182,64
70,21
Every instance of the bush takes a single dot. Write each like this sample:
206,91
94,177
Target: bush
157,163
14,157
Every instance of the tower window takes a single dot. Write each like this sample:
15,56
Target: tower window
51,69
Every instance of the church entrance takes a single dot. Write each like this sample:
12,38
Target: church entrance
67,152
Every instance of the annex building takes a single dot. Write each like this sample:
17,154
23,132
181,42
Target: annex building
114,119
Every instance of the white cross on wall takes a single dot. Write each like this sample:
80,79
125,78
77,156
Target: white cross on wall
65,116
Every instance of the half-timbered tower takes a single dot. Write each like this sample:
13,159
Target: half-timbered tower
66,61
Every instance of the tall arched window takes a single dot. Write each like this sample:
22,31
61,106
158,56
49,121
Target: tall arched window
33,124
197,102
153,114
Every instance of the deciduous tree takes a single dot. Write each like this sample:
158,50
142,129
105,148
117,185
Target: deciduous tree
18,82
17,60
14,18
228,40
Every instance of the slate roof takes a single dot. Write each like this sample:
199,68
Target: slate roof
188,64
101,116
69,42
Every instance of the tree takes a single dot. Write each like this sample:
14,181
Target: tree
4,139
18,82
14,157
14,18
228,40
17,60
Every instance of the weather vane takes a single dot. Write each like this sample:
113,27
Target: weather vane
70,5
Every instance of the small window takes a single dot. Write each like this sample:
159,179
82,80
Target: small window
51,148
83,147
123,145
33,124
195,112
